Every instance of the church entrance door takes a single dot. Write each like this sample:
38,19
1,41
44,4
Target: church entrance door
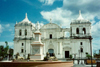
66,54
51,51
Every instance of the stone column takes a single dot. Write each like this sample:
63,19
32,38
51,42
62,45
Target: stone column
44,49
57,49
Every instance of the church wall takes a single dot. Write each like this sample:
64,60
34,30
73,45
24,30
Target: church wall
18,46
76,47
22,28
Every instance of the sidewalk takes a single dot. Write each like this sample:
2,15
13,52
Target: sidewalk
80,65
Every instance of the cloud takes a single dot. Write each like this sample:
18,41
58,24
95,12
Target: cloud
90,7
28,2
58,15
1,28
41,24
69,11
47,2
10,29
95,44
11,44
96,30
7,25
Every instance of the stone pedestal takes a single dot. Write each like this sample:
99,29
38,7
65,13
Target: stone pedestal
37,51
37,47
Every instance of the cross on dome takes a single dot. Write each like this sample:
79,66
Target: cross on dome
79,12
26,19
50,20
80,16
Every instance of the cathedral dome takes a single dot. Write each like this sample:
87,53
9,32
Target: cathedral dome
25,22
50,25
80,19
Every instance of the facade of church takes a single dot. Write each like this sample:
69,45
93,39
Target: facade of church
30,39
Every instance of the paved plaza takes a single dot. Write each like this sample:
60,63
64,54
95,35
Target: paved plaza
79,65
61,65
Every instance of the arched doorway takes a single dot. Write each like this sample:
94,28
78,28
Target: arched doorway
51,51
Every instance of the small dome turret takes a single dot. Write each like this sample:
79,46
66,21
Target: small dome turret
80,16
80,19
25,22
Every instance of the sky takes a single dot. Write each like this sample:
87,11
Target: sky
62,12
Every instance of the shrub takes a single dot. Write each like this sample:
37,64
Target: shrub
70,56
28,57
88,56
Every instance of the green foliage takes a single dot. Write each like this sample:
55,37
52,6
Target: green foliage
6,43
3,50
70,56
88,56
28,57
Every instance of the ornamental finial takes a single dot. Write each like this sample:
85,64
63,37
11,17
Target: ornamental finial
26,15
79,12
80,16
50,20
37,25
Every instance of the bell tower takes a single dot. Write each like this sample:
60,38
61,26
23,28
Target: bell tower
80,27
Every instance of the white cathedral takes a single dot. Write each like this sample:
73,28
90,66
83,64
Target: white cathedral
30,39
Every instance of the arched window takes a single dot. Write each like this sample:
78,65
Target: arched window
20,32
77,31
22,50
81,43
81,49
25,32
84,31
50,36
22,44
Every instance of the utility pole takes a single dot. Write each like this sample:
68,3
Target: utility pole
91,50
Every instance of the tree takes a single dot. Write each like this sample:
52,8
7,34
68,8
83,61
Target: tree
88,56
10,52
2,51
6,43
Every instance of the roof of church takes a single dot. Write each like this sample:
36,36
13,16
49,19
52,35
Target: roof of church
80,19
50,25
25,21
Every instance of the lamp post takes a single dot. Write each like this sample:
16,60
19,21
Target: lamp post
81,50
79,54
90,38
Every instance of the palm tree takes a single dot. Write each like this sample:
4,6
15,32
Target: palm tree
6,48
6,43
